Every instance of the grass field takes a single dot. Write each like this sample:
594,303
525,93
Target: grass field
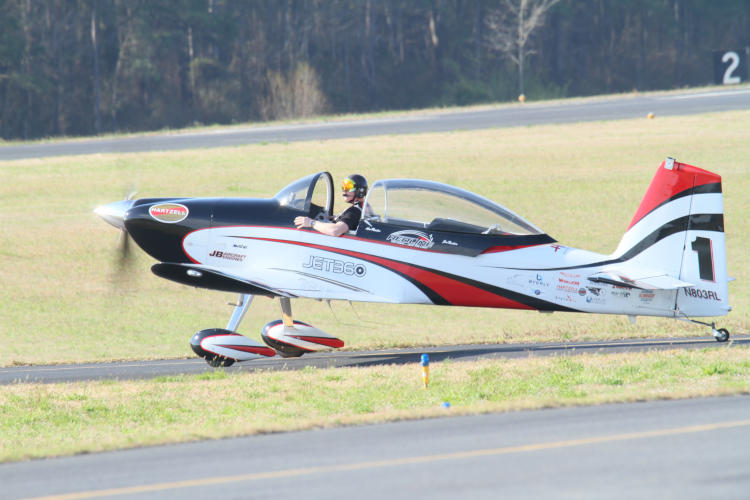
62,299
38,420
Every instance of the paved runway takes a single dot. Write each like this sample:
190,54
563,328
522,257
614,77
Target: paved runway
604,108
150,369
665,449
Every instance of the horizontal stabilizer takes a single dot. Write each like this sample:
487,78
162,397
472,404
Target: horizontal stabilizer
202,277
642,282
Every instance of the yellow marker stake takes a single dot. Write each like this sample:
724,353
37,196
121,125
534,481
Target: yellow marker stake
425,369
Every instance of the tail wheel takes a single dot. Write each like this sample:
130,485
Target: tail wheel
721,335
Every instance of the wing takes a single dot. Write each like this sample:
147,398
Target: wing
271,282
204,277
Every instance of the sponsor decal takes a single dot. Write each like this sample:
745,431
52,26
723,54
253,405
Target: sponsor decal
646,296
620,293
582,292
409,238
219,254
537,292
168,212
595,300
539,281
373,229
698,293
449,242
565,298
568,284
239,245
570,275
535,281
335,266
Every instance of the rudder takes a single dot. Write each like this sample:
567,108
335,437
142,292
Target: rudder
679,228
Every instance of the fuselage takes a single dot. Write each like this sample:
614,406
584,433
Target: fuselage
383,261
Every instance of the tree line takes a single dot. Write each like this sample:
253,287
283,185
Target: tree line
84,67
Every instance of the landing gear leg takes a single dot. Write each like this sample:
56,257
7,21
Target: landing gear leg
286,311
240,308
285,350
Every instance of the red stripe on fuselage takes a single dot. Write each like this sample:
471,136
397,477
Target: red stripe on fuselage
507,248
668,183
455,292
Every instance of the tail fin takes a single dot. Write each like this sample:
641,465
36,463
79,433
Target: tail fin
679,229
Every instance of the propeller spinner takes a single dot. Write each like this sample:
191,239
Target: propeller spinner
114,214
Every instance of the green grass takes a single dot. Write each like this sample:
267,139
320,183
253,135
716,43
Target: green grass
63,301
38,420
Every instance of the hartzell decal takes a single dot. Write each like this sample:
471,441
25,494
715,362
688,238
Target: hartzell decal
168,212
335,266
409,238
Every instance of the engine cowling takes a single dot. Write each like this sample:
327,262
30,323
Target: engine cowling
297,340
223,347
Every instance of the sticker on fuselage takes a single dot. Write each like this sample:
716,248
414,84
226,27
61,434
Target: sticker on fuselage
409,238
335,266
168,212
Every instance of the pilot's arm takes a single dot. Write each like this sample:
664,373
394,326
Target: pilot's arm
329,228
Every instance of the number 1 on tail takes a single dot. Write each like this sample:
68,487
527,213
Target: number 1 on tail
705,258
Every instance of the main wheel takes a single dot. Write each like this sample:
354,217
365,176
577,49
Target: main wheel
219,361
286,351
723,335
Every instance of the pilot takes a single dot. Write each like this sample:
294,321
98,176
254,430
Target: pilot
354,190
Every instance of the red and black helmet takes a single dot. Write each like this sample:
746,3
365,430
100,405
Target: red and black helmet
356,183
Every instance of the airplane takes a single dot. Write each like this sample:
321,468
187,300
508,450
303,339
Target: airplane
425,242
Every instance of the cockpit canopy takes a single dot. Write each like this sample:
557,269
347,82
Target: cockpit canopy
313,195
411,203
440,207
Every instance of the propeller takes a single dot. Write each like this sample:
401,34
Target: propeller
114,214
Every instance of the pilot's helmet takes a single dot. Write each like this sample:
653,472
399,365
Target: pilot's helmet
356,183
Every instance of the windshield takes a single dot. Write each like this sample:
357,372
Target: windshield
440,207
312,194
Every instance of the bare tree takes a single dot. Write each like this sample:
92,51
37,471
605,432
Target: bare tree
297,95
510,27
95,47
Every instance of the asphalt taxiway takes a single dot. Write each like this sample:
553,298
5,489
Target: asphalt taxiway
567,111
663,449
150,369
